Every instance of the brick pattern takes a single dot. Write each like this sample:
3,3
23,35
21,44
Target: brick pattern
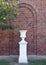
9,39
8,43
28,23
4,42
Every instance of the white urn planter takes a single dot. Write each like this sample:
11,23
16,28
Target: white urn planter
23,47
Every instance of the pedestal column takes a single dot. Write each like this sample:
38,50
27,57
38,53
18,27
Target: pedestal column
23,47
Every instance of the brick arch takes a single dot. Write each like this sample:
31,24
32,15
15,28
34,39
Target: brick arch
30,7
12,46
34,14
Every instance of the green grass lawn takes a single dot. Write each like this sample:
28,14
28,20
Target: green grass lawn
2,62
31,62
38,62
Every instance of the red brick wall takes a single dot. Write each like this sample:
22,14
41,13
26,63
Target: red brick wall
35,26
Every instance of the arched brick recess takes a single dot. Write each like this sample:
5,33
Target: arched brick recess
10,39
28,19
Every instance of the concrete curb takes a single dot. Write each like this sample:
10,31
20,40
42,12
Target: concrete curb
15,57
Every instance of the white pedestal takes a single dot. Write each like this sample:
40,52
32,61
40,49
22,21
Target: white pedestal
23,48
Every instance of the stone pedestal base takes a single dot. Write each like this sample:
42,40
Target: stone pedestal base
23,53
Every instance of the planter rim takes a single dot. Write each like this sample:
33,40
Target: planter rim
23,30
